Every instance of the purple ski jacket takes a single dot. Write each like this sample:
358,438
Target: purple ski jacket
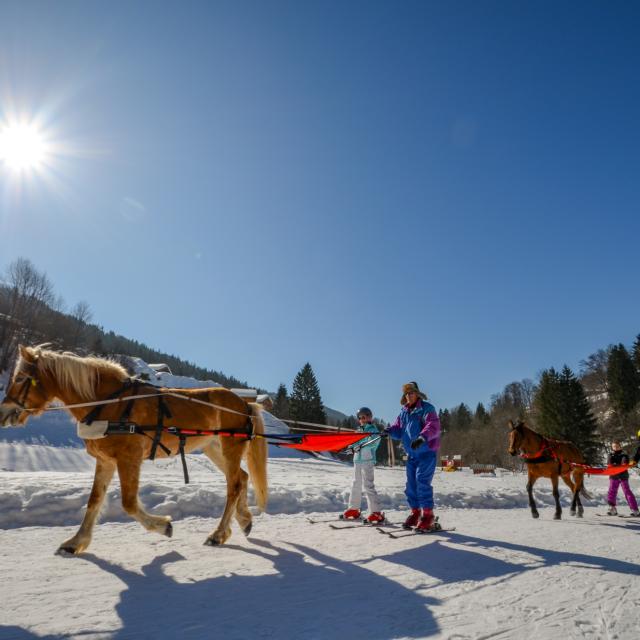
421,420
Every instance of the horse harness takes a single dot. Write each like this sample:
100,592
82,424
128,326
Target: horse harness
28,380
539,457
124,426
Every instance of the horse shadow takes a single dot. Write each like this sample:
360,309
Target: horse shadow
307,595
10,632
454,564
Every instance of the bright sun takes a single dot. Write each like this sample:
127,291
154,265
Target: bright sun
22,147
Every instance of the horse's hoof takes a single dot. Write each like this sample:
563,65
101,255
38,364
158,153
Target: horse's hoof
247,529
535,514
168,530
573,512
66,551
557,516
580,514
211,542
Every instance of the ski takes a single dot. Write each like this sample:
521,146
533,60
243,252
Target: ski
619,515
413,532
325,520
364,524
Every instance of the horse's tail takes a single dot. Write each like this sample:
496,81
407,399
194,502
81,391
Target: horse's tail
257,458
585,493
579,472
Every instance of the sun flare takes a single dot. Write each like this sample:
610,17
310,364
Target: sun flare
22,147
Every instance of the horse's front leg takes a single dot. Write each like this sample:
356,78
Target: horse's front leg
556,497
103,474
532,504
129,472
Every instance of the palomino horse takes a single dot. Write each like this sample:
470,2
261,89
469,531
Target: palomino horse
546,458
40,376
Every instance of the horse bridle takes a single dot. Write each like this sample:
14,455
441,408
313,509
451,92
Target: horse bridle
27,380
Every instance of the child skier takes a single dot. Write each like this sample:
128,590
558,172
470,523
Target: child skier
364,460
418,426
616,458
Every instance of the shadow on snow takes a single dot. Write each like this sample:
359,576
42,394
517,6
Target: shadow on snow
314,595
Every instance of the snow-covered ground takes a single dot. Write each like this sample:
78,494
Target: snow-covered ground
500,574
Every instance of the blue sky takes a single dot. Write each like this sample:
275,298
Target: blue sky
391,191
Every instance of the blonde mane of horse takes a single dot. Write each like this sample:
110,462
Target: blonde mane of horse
80,375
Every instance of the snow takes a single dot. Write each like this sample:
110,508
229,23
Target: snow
500,574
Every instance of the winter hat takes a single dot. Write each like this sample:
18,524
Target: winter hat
364,412
411,386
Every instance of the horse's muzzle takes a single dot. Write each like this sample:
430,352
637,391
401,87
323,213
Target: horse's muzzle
9,415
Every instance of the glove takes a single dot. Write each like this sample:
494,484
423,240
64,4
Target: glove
633,463
417,442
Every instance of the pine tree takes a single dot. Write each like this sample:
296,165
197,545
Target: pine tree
461,417
281,403
623,383
481,416
305,403
635,354
563,411
445,420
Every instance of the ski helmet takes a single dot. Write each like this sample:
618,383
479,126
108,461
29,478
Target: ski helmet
364,412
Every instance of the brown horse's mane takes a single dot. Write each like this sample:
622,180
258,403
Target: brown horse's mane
75,373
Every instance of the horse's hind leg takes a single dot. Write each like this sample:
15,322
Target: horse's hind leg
556,497
129,472
236,493
532,503
579,482
567,480
102,478
213,451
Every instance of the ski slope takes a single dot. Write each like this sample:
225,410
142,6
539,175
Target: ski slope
500,574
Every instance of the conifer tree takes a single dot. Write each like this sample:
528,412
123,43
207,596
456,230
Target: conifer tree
623,382
445,420
305,403
461,417
481,414
635,354
281,403
563,411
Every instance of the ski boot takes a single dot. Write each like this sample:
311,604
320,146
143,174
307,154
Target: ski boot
412,520
612,511
376,517
351,514
427,521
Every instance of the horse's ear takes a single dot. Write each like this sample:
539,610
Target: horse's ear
511,425
24,353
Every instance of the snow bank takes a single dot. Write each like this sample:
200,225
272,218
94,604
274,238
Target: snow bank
47,486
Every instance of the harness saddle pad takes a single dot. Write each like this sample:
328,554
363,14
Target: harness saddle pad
94,431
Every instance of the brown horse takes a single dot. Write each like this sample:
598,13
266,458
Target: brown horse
41,376
546,458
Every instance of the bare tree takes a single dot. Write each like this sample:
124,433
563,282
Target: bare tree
81,316
29,296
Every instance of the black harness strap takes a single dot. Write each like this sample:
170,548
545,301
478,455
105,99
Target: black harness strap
94,414
124,416
539,459
163,412
183,439
127,428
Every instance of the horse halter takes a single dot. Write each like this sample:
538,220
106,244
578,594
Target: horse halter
27,380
